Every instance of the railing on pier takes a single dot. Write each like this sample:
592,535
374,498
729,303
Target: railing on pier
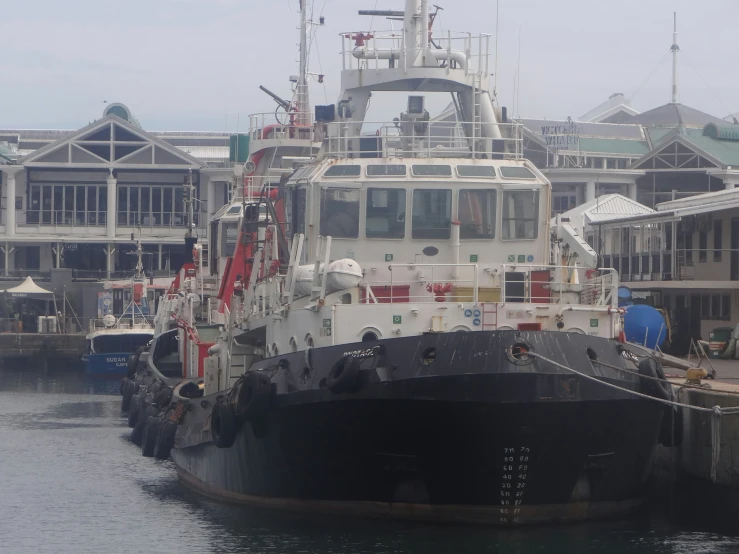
421,139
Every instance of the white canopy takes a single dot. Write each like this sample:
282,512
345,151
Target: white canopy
29,289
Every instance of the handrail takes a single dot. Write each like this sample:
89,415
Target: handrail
420,139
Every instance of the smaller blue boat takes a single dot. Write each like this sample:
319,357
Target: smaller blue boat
112,340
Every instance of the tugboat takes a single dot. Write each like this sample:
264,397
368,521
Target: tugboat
198,302
428,361
111,340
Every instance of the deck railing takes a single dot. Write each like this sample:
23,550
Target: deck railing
421,139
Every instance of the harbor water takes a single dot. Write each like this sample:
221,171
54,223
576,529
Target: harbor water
70,481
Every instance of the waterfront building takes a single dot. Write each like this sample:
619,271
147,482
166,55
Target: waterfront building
80,199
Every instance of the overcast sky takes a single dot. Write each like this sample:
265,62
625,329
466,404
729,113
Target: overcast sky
197,64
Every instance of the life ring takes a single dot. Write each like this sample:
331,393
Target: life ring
223,426
344,376
149,438
254,395
165,439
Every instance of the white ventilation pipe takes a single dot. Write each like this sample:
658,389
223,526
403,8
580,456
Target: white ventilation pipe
362,53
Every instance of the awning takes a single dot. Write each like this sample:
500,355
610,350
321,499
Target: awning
29,289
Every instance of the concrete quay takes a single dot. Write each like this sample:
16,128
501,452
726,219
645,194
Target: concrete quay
42,350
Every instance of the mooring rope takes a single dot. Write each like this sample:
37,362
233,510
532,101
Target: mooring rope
716,412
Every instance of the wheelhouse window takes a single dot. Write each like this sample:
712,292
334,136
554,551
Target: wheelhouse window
520,214
477,214
343,171
476,170
432,214
300,201
385,213
516,172
340,213
432,170
386,170
229,236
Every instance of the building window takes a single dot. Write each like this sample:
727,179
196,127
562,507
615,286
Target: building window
340,213
702,245
477,214
726,306
717,238
385,214
520,214
715,306
432,214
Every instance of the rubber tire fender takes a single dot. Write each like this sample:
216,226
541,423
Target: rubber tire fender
650,368
344,376
149,438
127,394
137,435
133,411
223,425
163,397
165,439
255,395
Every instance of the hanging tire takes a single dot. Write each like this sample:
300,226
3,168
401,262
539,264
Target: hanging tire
122,388
345,376
657,389
149,437
127,394
133,411
223,425
165,439
255,395
137,435
163,397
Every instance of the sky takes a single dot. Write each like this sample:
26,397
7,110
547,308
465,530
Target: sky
197,64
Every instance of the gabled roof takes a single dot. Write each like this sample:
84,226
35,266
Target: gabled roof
111,142
673,115
607,206
615,106
602,209
683,142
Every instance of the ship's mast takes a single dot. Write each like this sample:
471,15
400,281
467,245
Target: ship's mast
303,101
675,49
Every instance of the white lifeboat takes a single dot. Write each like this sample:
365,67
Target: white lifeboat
342,274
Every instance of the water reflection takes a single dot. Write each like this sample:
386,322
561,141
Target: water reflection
73,482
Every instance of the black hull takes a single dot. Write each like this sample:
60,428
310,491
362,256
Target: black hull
508,445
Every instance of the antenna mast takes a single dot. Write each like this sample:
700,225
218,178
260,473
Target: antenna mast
675,49
303,106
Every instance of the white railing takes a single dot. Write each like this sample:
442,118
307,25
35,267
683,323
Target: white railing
546,284
124,322
448,49
423,283
281,126
421,139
